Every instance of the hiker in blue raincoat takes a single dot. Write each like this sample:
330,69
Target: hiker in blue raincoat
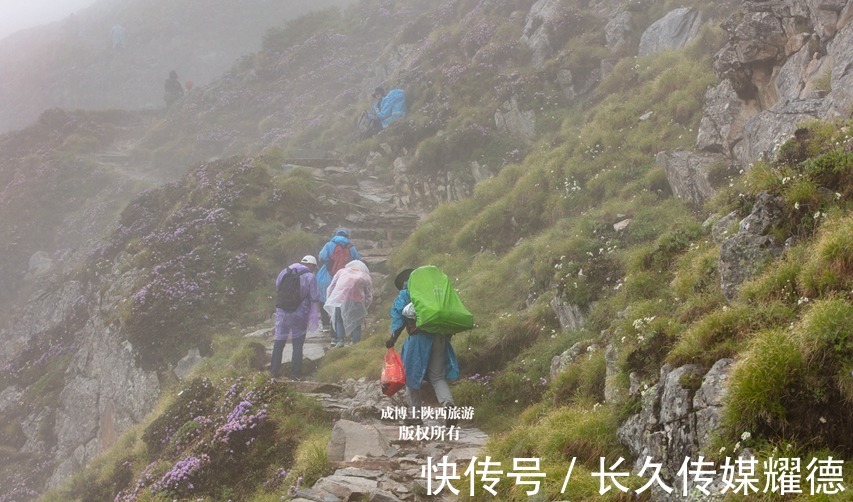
390,106
424,355
324,275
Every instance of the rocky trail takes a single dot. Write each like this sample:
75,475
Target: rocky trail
374,458
377,225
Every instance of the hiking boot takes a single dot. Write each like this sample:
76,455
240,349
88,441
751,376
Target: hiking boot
339,344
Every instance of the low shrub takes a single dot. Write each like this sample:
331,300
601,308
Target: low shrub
829,265
767,376
722,332
196,400
581,381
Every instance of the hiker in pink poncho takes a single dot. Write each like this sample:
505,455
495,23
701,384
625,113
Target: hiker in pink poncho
347,299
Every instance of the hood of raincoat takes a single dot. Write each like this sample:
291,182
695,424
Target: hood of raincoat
351,291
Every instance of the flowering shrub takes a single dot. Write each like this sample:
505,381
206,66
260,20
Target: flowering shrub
180,477
234,442
195,244
145,479
194,404
237,430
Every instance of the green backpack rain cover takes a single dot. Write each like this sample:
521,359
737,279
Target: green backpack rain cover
437,305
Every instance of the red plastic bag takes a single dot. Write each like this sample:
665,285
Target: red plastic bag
393,375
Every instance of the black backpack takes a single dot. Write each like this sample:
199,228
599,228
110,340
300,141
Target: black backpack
288,296
366,126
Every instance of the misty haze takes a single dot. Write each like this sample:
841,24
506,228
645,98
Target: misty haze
267,250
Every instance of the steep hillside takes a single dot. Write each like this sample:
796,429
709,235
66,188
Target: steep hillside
73,64
185,261
646,207
64,179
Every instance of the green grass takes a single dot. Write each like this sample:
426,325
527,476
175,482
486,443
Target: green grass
722,332
363,359
762,381
583,431
829,267
312,460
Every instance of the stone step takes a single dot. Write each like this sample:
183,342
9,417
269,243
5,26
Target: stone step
377,252
391,218
314,162
308,387
378,266
368,464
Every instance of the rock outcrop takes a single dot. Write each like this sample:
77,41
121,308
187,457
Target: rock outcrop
415,193
571,317
725,114
543,15
616,29
673,31
678,416
785,63
510,119
105,394
561,362
687,174
746,252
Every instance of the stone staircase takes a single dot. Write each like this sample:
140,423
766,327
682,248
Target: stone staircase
377,225
372,459
377,222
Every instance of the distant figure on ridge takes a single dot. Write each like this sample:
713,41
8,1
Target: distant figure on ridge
347,299
386,108
334,256
118,35
174,89
295,312
389,107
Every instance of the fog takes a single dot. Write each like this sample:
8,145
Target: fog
19,14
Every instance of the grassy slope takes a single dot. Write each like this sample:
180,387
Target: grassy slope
544,227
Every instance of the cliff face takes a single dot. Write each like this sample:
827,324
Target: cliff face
83,356
785,63
64,181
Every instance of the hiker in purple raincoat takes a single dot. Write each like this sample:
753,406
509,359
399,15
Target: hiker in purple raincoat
294,325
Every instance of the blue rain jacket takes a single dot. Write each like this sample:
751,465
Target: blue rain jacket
417,347
323,276
391,108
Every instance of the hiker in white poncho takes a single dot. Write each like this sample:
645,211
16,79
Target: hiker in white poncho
347,299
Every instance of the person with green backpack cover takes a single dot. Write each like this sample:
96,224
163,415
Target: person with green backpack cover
429,309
